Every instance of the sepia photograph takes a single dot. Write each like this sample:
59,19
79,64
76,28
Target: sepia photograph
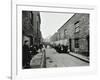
55,39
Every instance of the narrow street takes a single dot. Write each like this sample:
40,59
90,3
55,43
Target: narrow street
54,59
70,39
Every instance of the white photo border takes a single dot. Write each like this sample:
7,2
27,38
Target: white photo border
16,70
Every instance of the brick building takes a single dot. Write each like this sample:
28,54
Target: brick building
75,34
31,27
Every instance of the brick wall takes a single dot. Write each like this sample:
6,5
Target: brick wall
77,27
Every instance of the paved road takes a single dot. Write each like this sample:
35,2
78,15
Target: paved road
54,59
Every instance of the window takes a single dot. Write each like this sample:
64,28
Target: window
65,33
77,28
77,43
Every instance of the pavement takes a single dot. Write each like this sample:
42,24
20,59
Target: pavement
81,57
36,61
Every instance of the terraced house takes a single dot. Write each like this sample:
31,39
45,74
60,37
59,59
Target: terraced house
31,27
75,34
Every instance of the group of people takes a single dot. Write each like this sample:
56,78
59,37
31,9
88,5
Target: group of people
28,52
61,48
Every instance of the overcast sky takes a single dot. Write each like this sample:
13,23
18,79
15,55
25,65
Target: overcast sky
51,22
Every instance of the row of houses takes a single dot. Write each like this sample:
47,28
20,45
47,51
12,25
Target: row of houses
31,27
74,34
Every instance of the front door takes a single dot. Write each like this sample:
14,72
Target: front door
70,41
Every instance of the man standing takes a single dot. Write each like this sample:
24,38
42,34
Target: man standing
26,55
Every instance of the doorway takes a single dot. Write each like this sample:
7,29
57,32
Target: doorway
70,41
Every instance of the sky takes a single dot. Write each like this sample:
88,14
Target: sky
51,22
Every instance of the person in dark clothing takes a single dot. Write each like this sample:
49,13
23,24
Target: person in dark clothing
35,50
40,47
26,55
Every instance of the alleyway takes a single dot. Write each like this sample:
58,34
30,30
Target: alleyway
54,59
